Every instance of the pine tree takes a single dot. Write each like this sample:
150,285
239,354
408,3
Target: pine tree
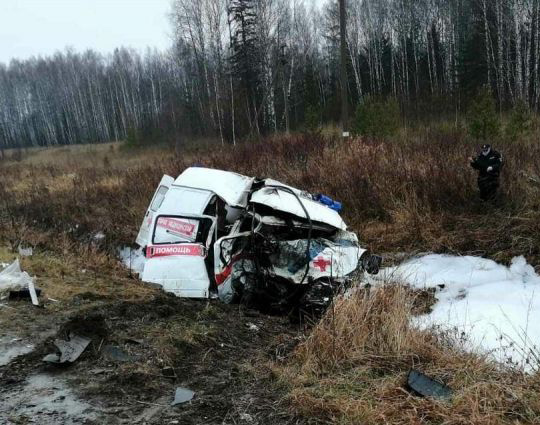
244,61
483,119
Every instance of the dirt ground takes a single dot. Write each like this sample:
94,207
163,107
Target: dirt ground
162,342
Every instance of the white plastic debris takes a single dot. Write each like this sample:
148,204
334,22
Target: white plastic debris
99,236
12,278
33,294
252,327
182,395
26,252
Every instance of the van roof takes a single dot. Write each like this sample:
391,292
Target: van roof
233,188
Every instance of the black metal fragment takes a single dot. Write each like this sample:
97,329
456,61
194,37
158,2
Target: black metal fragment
22,294
114,353
425,386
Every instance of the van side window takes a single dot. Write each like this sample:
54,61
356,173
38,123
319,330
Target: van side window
158,199
177,229
172,230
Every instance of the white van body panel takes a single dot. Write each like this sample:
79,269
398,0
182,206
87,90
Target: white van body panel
159,196
185,200
174,259
282,200
180,269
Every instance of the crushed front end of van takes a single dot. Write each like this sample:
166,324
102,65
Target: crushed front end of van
255,241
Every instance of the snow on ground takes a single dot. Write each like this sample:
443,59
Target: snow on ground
133,259
47,400
490,307
493,308
11,347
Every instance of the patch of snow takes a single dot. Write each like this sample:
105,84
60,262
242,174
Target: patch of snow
11,348
47,400
493,307
132,259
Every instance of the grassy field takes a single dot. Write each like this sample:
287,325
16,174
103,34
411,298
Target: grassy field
414,193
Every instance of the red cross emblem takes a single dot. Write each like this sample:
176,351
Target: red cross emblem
321,263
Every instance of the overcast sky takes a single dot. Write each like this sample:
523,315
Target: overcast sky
41,27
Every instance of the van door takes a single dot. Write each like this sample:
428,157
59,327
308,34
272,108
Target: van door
144,232
177,257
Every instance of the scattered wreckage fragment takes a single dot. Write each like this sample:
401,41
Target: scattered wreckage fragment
182,395
16,284
69,351
246,239
425,386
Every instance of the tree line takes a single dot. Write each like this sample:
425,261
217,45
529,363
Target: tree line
245,68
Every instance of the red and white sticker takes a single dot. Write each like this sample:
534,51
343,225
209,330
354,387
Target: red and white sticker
181,227
191,250
321,263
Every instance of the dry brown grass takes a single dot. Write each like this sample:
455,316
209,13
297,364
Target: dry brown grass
64,276
416,193
80,156
352,369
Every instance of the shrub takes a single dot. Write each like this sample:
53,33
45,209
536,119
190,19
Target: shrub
377,117
483,120
132,139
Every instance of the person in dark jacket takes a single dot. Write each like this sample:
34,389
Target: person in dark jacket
489,164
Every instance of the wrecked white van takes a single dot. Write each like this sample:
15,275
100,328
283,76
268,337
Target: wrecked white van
245,239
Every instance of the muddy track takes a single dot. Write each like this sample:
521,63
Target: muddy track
220,352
